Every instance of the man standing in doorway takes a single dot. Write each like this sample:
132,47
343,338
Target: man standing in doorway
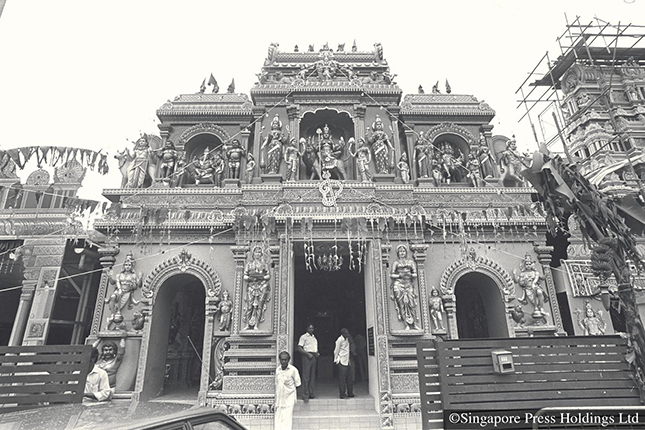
308,346
342,358
287,379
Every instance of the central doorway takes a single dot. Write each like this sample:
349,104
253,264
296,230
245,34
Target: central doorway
330,300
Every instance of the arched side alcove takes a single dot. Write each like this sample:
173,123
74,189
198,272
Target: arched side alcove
158,290
178,308
480,307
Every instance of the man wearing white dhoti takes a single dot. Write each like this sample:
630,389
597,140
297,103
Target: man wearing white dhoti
287,379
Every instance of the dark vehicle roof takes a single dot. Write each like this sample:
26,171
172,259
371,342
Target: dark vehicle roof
110,416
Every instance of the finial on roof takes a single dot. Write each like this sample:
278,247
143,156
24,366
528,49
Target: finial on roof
341,47
231,88
354,47
435,88
448,89
311,48
421,89
213,82
295,48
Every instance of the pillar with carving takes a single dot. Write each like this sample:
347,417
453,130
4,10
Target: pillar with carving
411,138
419,254
239,255
258,113
107,260
544,257
450,306
284,300
380,261
22,315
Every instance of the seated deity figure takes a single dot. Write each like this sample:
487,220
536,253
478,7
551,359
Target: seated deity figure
404,274
203,168
363,159
381,147
168,156
450,163
423,155
511,164
331,152
271,149
234,154
529,279
126,283
257,275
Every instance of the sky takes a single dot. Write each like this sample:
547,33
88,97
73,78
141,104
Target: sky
91,74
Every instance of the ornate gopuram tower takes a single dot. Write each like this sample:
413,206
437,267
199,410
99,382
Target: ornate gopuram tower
325,198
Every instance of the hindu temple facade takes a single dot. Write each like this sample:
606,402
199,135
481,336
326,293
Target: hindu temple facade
326,197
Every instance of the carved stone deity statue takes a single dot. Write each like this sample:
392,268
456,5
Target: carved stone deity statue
404,274
436,309
234,154
423,155
168,156
381,146
257,275
592,324
529,279
292,160
331,152
224,309
511,163
126,283
139,166
474,170
110,358
404,168
450,162
271,149
363,159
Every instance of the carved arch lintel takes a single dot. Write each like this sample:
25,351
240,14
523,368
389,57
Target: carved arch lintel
204,128
183,263
478,264
450,128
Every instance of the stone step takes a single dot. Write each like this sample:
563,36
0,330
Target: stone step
325,407
344,421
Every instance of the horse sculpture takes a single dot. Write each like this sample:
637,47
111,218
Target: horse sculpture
125,159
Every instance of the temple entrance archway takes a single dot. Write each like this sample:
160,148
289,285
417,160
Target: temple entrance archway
480,307
331,300
174,365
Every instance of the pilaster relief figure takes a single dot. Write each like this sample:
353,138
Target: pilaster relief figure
423,155
224,309
257,275
592,324
363,159
529,279
404,168
292,160
271,149
435,302
126,283
511,163
310,157
404,274
110,358
140,164
168,156
381,147
234,155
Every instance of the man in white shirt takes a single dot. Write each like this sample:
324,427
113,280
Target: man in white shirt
287,379
342,358
308,347
97,384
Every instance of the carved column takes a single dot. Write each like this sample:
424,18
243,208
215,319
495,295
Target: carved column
22,315
107,260
544,257
244,142
359,122
419,253
239,255
284,304
386,405
450,306
411,138
258,113
209,319
293,112
41,307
